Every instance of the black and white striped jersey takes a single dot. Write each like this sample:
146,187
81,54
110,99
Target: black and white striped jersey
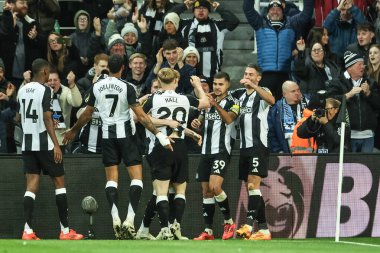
168,104
33,100
112,96
216,133
252,120
91,134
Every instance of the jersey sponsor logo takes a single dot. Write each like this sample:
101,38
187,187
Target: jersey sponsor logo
244,110
110,86
212,116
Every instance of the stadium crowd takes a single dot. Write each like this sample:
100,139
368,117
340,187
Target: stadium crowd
135,78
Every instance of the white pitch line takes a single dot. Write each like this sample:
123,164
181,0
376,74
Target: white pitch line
360,243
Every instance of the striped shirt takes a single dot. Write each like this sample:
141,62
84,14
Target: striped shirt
33,100
169,105
217,134
112,96
252,120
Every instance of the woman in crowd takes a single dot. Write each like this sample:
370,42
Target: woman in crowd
314,69
64,56
373,71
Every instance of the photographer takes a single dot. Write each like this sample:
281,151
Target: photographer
323,127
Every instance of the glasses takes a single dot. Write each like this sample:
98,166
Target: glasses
83,19
53,41
327,109
317,50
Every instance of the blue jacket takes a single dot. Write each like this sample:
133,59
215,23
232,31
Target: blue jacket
274,48
276,137
6,115
341,34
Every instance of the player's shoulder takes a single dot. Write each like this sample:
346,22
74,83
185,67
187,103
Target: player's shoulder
236,93
231,99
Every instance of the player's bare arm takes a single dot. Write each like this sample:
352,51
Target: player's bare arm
227,117
144,119
192,134
48,121
85,117
197,124
203,99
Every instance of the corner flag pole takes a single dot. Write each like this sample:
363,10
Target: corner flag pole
340,181
343,119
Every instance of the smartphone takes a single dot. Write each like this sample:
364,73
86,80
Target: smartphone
64,40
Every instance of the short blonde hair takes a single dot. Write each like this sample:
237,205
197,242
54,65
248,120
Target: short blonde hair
167,75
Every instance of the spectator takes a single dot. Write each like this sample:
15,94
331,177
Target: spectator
92,75
377,22
154,12
323,126
121,12
207,34
315,69
275,36
64,56
133,41
374,73
22,40
191,57
341,24
363,101
45,12
171,30
8,107
64,99
283,117
81,37
173,58
365,38
139,72
321,34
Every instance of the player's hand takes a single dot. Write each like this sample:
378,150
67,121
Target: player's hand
57,154
68,136
197,138
173,123
196,123
211,98
246,81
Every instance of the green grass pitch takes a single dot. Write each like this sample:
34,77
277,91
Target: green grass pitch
361,245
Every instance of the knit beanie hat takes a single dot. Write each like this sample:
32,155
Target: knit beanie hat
129,28
202,3
350,58
275,3
172,17
190,50
114,39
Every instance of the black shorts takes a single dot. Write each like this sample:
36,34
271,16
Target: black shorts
170,165
253,161
116,149
37,161
214,164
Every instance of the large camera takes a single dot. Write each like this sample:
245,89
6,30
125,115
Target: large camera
319,112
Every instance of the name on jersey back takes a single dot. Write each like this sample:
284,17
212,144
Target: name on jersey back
110,86
171,100
29,90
